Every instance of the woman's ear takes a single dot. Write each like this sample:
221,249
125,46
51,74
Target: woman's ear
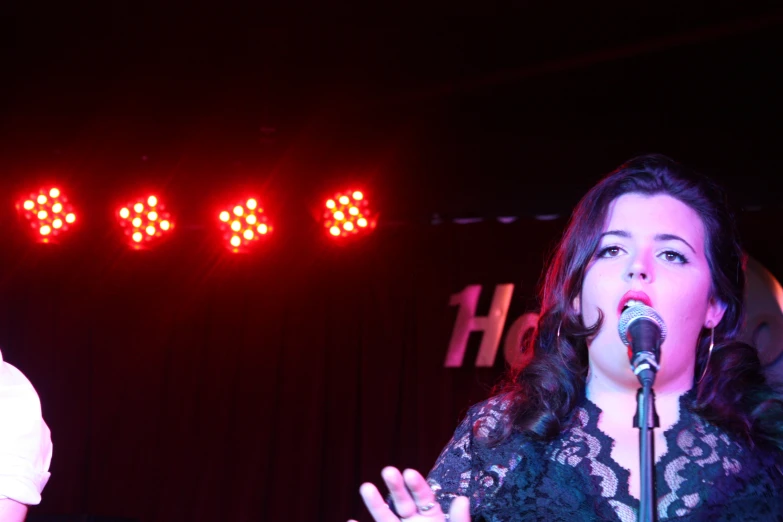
576,305
715,312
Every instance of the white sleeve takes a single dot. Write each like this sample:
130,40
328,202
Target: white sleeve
25,440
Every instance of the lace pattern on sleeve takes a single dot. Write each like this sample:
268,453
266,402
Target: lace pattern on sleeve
706,471
468,466
706,474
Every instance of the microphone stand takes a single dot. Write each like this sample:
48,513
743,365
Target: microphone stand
643,331
646,419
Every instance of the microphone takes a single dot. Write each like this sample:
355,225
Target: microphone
642,330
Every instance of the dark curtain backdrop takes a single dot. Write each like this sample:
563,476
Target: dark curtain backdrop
187,384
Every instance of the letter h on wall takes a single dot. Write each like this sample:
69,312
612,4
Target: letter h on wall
491,325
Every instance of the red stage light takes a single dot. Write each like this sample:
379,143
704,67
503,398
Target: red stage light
244,224
144,220
347,214
48,212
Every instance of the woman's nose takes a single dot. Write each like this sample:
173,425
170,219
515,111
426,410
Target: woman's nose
640,269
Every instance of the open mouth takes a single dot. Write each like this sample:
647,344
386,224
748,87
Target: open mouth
633,298
632,302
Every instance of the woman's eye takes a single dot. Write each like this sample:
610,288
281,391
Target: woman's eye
674,257
611,251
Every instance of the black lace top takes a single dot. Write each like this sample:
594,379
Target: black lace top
704,475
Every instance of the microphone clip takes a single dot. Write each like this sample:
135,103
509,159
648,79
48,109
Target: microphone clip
644,361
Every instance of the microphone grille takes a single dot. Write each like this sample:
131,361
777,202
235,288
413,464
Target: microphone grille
634,313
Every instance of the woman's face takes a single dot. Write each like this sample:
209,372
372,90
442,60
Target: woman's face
652,250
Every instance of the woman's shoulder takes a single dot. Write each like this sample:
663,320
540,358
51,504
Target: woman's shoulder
488,429
706,444
495,405
490,424
484,450
732,478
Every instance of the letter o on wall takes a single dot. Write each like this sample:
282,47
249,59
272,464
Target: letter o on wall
515,353
764,319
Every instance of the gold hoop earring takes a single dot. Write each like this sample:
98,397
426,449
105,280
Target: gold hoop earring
557,345
709,354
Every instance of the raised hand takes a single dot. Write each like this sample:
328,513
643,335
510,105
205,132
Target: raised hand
413,499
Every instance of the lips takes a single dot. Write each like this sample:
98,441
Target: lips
633,295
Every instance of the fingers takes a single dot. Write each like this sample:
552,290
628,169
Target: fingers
377,507
403,501
412,497
423,497
459,511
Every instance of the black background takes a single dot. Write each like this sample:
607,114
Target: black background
187,383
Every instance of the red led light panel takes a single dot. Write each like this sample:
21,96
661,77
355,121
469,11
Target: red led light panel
48,212
144,220
348,214
244,224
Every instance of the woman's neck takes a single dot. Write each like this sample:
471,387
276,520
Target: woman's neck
618,402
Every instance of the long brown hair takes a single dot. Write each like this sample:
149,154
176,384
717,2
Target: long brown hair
733,393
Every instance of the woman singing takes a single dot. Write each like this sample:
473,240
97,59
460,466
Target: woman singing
557,441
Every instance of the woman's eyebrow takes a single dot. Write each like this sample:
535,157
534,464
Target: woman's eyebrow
668,237
658,237
620,233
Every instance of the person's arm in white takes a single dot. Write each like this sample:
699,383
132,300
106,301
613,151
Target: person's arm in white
25,445
12,511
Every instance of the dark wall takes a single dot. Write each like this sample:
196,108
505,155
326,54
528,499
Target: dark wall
187,383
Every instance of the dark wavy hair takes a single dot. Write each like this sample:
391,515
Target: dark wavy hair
733,393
